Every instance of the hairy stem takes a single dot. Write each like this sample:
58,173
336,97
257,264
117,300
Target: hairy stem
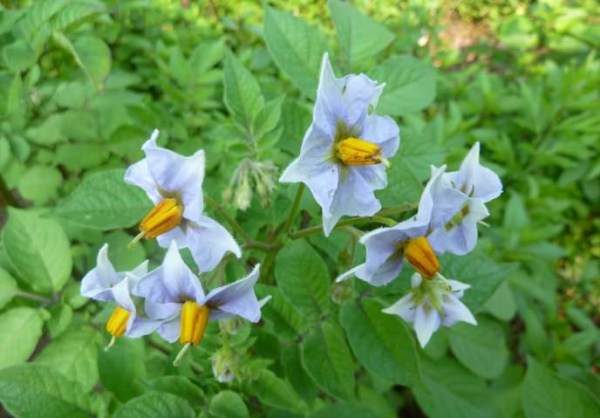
230,220
311,230
295,208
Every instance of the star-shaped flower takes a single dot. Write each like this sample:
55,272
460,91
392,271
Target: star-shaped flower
104,283
431,304
174,297
388,247
174,184
345,150
478,185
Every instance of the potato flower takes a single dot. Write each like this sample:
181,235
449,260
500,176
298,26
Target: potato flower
431,304
478,185
387,248
105,284
175,298
174,184
344,152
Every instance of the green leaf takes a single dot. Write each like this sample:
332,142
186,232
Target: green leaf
122,368
242,92
179,386
75,355
156,405
502,303
104,201
303,278
38,249
281,317
275,392
20,330
410,167
75,157
228,404
90,53
550,396
327,360
449,391
381,342
19,56
344,410
483,274
119,253
33,391
296,48
409,85
359,36
482,348
8,287
40,184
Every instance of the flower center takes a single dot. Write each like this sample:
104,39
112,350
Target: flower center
194,318
117,323
356,151
165,216
419,253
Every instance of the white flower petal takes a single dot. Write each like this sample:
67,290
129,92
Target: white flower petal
138,174
384,131
138,327
208,242
97,282
455,311
178,176
426,322
121,295
478,181
176,234
237,298
170,330
404,308
179,281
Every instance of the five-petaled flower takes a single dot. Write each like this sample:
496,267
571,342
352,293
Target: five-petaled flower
431,304
388,247
174,184
105,284
175,298
345,150
477,185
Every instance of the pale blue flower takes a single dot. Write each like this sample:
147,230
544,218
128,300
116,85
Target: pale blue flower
385,246
477,185
164,175
104,283
167,288
431,304
343,110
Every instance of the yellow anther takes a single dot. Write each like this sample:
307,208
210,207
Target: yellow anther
165,216
117,323
356,151
419,253
194,318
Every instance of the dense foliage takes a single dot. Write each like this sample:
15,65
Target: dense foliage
85,82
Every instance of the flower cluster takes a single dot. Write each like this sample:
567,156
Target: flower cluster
343,160
171,297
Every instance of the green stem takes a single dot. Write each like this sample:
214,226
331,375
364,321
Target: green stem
311,230
295,208
34,297
232,222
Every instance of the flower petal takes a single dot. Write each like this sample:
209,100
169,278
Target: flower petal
404,308
97,282
176,234
455,311
177,175
384,131
476,180
426,322
208,242
138,327
169,330
353,197
237,298
315,168
461,238
138,174
121,295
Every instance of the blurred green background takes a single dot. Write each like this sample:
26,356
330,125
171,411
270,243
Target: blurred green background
84,83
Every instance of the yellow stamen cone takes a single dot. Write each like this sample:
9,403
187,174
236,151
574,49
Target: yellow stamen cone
166,215
117,323
419,253
194,318
356,151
